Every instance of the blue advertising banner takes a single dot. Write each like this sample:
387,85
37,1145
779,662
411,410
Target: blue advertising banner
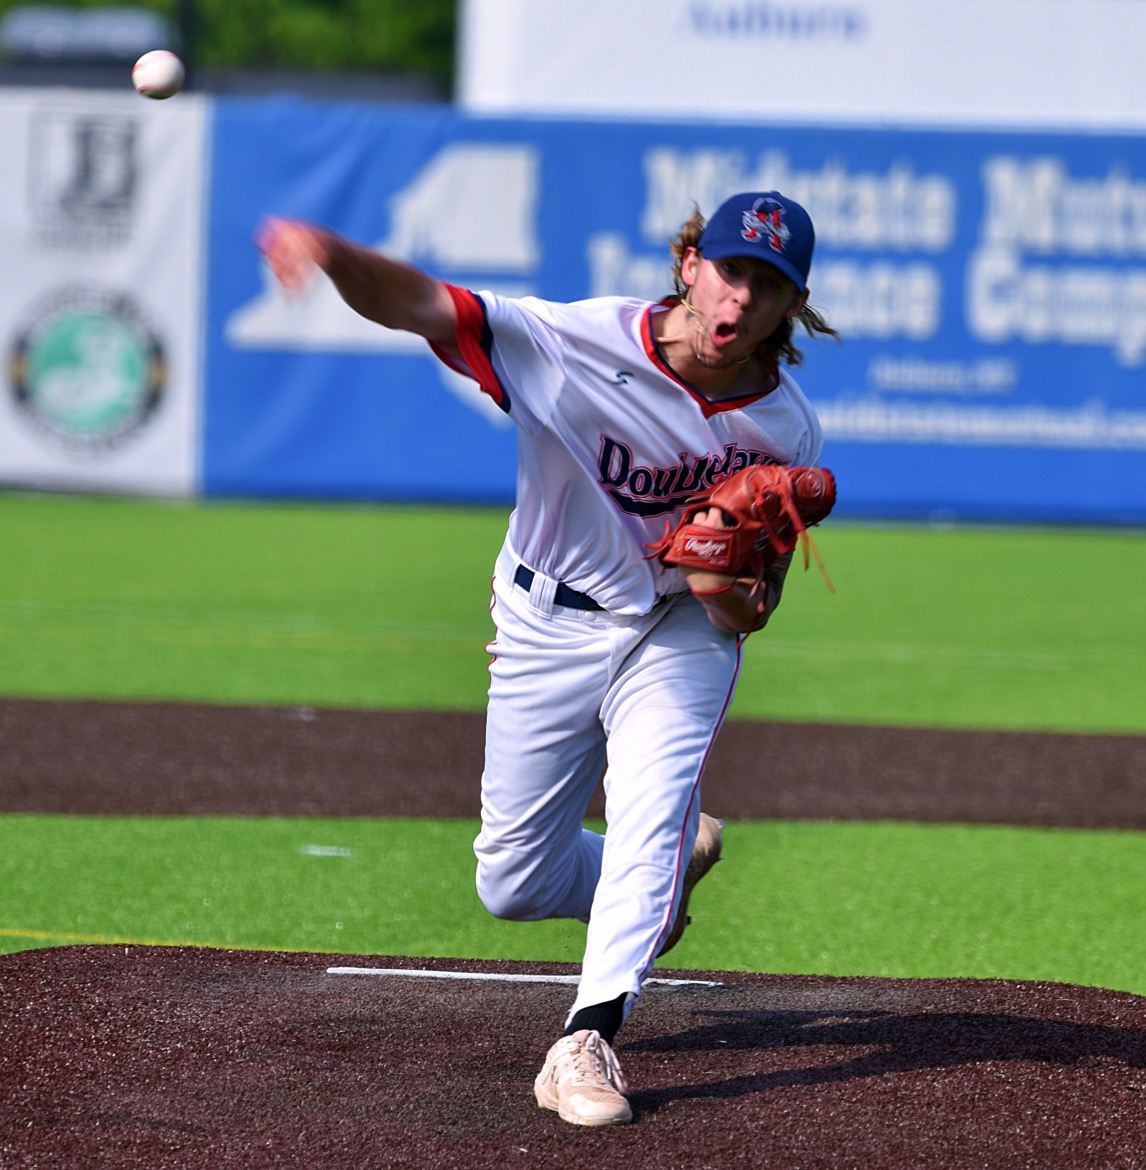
989,287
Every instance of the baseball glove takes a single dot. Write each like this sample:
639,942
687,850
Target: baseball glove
767,509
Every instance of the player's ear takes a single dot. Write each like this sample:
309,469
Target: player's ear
798,304
689,263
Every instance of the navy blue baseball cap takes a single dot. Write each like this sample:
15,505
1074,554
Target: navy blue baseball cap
765,225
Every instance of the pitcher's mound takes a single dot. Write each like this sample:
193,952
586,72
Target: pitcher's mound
169,1058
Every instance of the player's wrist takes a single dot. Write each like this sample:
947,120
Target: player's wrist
707,582
713,591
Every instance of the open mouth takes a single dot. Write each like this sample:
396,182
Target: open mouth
723,333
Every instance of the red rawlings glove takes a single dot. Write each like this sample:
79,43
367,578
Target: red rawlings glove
767,509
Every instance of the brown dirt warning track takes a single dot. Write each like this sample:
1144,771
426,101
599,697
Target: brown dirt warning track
134,1057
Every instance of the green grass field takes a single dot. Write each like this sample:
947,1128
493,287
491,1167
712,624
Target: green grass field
388,607
791,897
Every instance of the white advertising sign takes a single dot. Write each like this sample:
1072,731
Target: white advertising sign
1055,63
100,241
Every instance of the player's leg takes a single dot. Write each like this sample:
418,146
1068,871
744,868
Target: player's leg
545,751
662,714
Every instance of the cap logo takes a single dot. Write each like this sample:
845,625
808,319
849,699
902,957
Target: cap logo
765,222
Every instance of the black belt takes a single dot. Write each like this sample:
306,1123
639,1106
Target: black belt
563,596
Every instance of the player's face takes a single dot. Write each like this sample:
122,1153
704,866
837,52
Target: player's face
736,303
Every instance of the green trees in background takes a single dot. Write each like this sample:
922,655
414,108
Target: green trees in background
392,36
415,36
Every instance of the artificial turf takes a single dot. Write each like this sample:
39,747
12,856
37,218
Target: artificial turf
389,607
792,897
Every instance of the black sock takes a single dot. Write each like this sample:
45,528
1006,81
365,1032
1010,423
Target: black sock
605,1018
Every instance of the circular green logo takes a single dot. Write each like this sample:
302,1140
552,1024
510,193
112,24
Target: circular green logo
87,368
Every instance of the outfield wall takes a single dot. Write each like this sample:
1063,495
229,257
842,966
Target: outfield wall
102,223
990,286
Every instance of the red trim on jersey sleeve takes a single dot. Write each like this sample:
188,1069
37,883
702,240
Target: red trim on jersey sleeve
475,344
652,351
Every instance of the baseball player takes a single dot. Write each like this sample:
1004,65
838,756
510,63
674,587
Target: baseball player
606,661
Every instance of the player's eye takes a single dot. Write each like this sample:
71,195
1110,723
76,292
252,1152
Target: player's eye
767,284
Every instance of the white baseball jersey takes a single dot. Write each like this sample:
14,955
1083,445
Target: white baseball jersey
612,442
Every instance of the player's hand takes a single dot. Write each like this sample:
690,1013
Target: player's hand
711,518
736,605
294,251
704,580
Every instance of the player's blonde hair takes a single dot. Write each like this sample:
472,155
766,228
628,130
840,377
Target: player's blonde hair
777,348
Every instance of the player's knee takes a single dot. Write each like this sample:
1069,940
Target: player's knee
508,890
510,906
506,902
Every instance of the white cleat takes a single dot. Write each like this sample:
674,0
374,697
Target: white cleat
582,1081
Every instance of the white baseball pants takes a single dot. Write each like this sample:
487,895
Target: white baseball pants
573,694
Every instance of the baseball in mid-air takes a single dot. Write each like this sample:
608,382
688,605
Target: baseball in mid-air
158,74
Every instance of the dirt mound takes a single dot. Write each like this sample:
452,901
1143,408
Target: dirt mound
163,1057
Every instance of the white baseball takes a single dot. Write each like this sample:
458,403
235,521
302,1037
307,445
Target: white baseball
158,74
